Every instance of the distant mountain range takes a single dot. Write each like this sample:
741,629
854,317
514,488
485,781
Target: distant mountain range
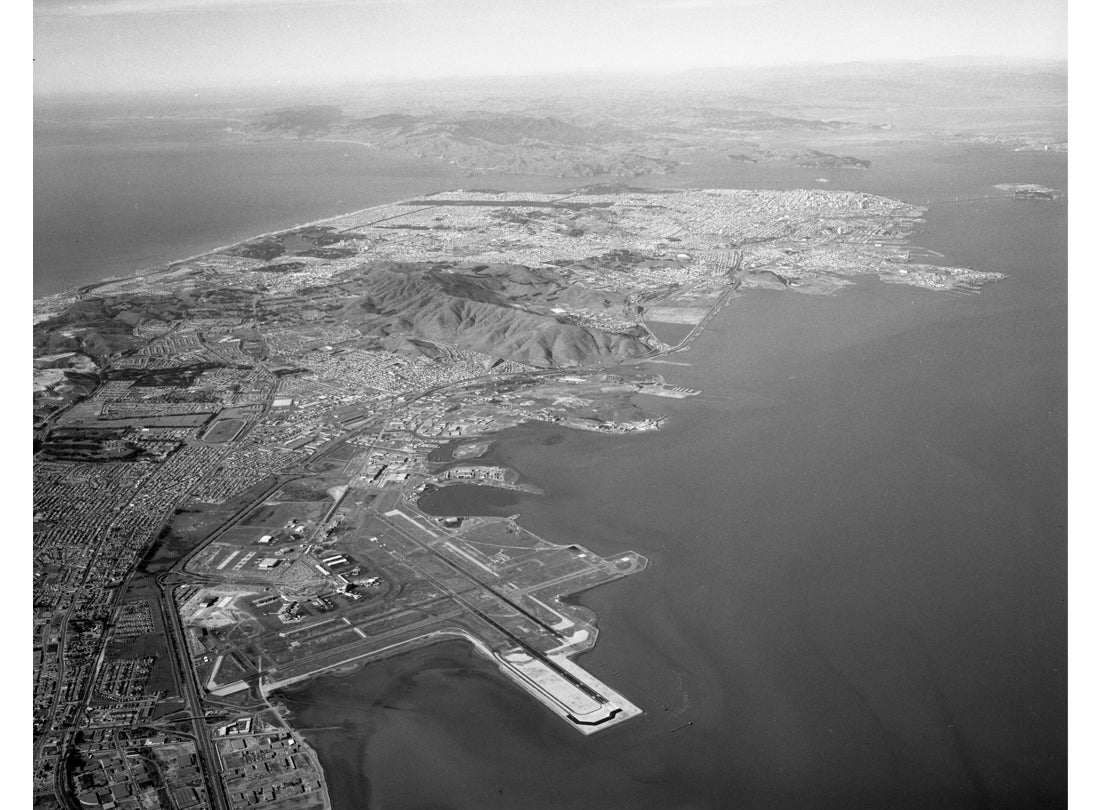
489,144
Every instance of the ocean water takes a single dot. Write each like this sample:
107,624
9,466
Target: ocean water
856,590
115,196
112,199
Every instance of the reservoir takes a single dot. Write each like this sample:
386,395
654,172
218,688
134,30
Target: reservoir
856,591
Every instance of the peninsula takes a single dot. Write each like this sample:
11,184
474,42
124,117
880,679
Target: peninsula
230,450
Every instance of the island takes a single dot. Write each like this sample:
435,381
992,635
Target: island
1030,191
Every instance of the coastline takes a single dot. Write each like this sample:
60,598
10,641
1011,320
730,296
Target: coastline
358,667
169,266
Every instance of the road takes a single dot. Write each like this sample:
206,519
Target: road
177,642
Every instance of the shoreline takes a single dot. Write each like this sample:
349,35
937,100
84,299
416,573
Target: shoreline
82,290
919,200
173,264
357,668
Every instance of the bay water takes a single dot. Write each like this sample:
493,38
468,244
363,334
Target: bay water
856,594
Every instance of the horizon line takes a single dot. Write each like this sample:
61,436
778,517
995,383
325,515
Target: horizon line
977,61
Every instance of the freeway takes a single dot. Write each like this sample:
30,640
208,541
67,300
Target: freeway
177,642
61,787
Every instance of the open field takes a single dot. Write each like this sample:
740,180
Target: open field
223,430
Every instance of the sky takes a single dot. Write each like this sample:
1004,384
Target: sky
122,45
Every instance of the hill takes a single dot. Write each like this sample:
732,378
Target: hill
481,312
